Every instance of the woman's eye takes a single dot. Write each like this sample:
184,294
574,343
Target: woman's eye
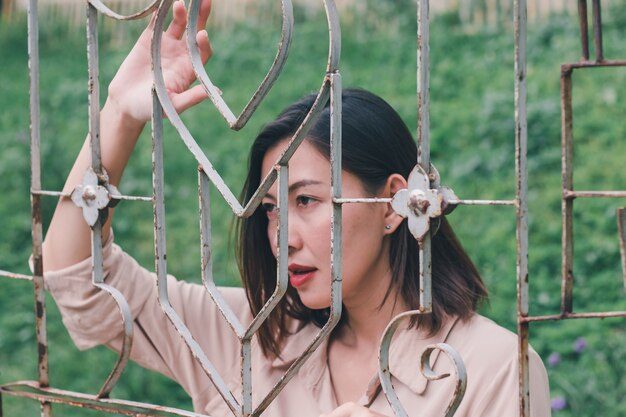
304,201
270,209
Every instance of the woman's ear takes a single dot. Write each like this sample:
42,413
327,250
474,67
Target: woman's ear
395,183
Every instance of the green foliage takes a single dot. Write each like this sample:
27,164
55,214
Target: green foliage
472,110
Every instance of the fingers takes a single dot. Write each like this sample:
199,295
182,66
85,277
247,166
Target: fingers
177,26
189,98
204,45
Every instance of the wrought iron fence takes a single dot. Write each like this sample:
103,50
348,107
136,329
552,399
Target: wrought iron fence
95,194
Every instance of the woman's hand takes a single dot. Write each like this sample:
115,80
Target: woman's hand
128,108
351,410
130,90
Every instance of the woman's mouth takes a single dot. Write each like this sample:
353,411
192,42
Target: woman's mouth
300,274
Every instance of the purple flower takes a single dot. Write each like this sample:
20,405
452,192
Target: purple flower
558,403
580,345
554,359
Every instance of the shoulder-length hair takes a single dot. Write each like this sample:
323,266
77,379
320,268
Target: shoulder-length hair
376,144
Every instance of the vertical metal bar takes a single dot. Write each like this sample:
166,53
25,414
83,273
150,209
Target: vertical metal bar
584,30
597,30
425,274
521,137
336,249
246,377
423,138
282,277
94,132
35,201
621,225
283,227
160,249
206,256
567,203
93,88
423,92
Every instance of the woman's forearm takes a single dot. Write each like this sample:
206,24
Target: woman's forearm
68,237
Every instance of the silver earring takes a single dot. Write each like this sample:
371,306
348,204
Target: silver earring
387,227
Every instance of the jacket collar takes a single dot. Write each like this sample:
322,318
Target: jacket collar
405,355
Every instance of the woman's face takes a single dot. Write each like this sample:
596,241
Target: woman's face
366,270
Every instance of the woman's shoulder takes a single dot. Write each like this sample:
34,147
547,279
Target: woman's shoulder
481,340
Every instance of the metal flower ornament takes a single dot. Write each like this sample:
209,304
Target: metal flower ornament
419,202
94,195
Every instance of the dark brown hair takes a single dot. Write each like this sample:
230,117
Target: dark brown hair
376,144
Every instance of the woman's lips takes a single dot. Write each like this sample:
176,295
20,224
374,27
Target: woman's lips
300,274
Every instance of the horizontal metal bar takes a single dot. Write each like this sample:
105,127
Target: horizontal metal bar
483,202
593,64
593,194
361,200
567,316
50,193
453,202
13,275
131,198
113,196
31,390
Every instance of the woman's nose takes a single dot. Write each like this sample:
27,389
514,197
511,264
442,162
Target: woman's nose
294,235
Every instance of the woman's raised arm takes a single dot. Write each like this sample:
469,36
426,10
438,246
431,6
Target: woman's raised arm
123,117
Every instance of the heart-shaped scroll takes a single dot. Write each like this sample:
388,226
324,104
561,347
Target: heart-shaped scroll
105,10
192,145
163,104
237,122
384,373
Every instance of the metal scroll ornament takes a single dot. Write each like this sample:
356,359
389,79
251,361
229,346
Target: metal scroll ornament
384,372
419,202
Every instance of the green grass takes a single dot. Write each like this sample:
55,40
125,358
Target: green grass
472,109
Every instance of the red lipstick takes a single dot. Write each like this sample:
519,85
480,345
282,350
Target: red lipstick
300,274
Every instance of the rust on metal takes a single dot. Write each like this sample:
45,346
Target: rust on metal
522,351
621,227
521,196
567,316
14,275
567,179
385,374
461,374
568,194
32,390
592,64
416,204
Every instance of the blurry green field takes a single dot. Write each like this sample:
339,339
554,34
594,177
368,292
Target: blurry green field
472,120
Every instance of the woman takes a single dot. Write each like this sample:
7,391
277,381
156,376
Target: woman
379,269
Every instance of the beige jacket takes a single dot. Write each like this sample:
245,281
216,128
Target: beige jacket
92,317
